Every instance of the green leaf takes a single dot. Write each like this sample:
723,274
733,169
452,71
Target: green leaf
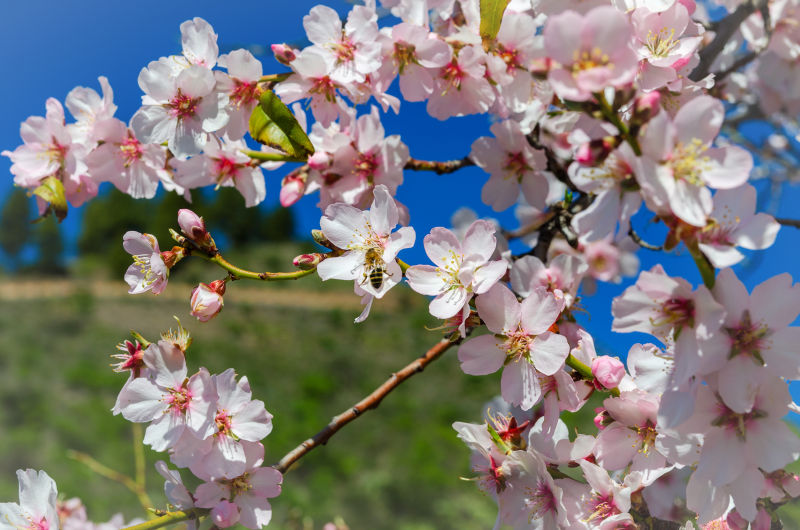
51,190
273,124
491,17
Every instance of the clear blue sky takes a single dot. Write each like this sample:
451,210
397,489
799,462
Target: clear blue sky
51,47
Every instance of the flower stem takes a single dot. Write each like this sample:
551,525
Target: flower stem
238,273
168,519
611,115
271,157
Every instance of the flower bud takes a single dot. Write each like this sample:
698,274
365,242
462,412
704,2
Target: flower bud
207,300
320,239
594,152
646,106
600,418
308,261
292,189
608,371
284,53
171,257
192,225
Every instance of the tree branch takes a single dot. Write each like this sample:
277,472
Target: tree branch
439,168
169,518
725,30
370,402
788,222
239,273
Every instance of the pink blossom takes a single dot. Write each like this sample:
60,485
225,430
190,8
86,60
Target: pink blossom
603,502
369,244
192,225
733,223
223,164
562,276
679,161
249,491
756,341
416,54
521,342
463,268
460,87
589,52
515,47
133,167
37,503
172,402
49,150
353,50
531,494
665,40
207,300
608,371
239,421
199,43
513,165
178,109
89,108
241,86
312,79
148,272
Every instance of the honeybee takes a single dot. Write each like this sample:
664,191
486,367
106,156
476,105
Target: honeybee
374,268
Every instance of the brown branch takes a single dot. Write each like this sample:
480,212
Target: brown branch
746,59
725,30
641,242
370,402
439,168
788,222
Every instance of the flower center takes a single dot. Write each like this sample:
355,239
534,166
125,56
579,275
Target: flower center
735,422
365,167
518,346
404,54
225,168
516,165
661,43
240,484
344,50
688,162
223,421
601,507
510,56
244,93
183,106
324,87
179,399
452,74
539,500
131,150
586,60
748,338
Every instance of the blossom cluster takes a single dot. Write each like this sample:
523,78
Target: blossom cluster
207,423
597,116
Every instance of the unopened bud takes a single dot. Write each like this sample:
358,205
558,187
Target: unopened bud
308,261
320,239
192,225
594,152
292,189
601,418
646,107
284,53
171,257
207,300
608,371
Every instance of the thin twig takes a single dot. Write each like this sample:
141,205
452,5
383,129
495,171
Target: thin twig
788,222
746,59
369,402
238,273
169,518
641,242
447,166
725,30
112,474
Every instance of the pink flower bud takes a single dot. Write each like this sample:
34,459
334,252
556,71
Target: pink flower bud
171,257
207,300
284,53
192,225
734,521
608,371
291,191
308,261
225,514
594,152
600,418
646,106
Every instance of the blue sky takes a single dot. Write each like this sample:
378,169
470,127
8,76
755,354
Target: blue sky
52,47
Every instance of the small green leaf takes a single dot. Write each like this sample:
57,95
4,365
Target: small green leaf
273,124
51,190
491,17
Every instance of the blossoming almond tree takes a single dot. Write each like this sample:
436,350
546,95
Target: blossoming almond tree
601,109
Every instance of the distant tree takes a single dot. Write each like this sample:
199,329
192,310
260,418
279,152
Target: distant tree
50,247
15,223
228,215
278,225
